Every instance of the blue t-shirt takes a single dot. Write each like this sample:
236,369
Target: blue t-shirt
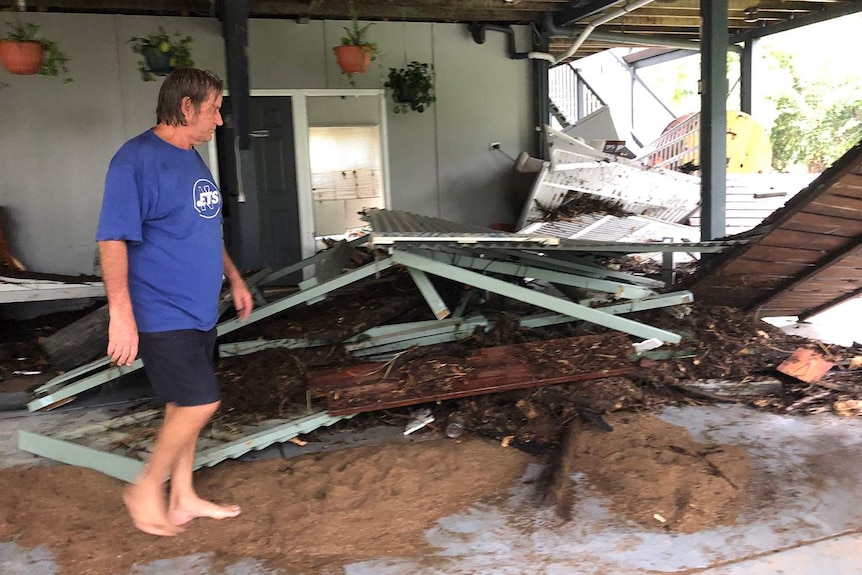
163,202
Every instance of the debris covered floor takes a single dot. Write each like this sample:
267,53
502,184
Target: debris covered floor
583,453
469,506
685,482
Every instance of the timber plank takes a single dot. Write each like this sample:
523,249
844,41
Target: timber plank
753,280
782,269
345,405
833,210
380,385
785,255
836,199
850,185
813,241
816,223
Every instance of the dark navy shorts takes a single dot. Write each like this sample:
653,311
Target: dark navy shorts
179,365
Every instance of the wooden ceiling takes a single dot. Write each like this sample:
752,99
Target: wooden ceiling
652,24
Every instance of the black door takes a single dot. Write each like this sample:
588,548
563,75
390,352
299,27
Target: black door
262,230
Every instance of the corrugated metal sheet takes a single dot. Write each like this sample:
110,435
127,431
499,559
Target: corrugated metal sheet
424,231
809,256
608,228
386,221
394,227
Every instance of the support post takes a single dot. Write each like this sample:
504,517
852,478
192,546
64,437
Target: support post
542,97
713,124
746,75
247,233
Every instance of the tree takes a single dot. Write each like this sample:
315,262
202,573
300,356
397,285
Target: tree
817,121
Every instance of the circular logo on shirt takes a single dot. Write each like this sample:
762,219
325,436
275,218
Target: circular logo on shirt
207,199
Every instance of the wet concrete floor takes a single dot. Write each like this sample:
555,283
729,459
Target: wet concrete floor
811,524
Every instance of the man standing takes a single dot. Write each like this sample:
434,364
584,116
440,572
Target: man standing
162,258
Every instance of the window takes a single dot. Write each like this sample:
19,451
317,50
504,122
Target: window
345,163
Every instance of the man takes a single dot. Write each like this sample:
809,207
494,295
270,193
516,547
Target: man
162,258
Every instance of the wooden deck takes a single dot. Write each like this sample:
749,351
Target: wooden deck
809,255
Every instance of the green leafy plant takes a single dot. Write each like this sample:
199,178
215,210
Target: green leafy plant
356,36
412,87
161,53
55,61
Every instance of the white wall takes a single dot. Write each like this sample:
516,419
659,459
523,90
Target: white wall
57,139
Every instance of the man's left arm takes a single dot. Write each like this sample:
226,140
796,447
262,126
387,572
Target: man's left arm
242,300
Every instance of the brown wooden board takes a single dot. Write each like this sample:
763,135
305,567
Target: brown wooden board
850,184
356,401
485,370
808,222
835,210
837,273
812,241
785,255
753,279
778,269
844,198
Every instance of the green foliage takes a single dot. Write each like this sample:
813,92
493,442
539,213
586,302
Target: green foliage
412,87
175,51
356,35
815,125
55,62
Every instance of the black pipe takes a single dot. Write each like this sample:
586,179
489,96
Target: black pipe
478,29
550,28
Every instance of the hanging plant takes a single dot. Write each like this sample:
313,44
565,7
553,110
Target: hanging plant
355,53
161,54
23,53
412,87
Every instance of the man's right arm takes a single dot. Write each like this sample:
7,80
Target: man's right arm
122,329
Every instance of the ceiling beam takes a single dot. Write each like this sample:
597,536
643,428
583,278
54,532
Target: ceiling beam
823,15
581,10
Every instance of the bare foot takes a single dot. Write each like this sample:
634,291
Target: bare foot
182,513
147,509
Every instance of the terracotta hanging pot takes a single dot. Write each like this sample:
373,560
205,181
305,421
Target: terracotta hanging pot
22,58
353,59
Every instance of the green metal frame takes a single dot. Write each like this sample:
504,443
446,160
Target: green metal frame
391,338
429,292
246,347
576,264
534,298
619,289
60,447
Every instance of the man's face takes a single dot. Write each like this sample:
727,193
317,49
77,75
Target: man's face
201,124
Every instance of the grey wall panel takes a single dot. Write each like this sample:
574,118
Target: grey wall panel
482,97
288,56
412,136
57,140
